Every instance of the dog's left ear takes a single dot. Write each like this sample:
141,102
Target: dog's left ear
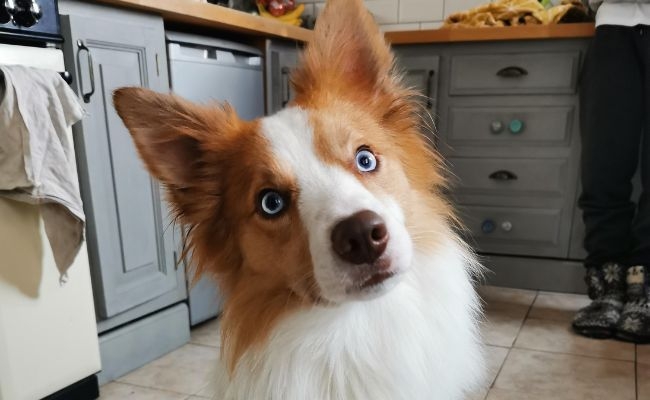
347,56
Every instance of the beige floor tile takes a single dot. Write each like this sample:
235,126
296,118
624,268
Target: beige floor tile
123,391
492,294
501,394
643,381
494,357
557,337
643,353
557,306
502,324
207,334
208,390
566,377
186,370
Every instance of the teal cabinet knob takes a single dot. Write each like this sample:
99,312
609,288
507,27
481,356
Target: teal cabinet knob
496,127
516,126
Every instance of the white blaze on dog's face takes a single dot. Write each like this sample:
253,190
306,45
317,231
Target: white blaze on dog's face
322,203
347,183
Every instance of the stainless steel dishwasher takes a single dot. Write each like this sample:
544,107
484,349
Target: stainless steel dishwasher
204,69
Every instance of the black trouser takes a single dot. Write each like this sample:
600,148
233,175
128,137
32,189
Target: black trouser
615,111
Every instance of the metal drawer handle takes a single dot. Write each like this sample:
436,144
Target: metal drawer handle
91,72
430,89
512,72
503,175
285,77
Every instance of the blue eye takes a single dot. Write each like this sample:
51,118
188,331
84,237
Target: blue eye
366,161
271,203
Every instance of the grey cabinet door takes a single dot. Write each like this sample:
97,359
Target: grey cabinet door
281,59
422,73
129,239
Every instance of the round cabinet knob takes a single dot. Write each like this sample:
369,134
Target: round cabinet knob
496,127
488,226
506,226
516,126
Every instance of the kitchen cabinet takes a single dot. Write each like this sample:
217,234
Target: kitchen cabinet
130,238
281,57
421,72
507,125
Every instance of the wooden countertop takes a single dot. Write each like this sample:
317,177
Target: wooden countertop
557,31
213,16
194,12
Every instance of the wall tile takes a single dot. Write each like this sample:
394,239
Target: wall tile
400,27
420,10
431,25
452,6
385,11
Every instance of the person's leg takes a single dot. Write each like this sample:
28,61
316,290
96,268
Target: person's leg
634,324
611,124
640,255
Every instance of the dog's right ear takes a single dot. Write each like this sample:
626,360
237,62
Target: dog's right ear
167,131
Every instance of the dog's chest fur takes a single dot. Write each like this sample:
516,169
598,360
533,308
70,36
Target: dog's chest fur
419,341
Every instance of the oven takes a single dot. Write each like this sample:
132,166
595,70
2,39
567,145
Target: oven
48,334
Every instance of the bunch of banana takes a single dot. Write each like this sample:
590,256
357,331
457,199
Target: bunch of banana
292,17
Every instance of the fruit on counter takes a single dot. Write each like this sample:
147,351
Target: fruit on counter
289,15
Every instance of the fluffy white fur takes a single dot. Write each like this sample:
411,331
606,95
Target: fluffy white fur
417,342
415,339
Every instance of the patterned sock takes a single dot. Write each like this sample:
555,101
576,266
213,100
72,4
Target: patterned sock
634,324
607,290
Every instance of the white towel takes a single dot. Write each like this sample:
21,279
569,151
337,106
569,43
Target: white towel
37,163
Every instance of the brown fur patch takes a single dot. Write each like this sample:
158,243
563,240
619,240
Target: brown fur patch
214,166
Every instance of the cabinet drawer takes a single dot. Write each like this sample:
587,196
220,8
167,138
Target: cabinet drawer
511,176
520,231
510,126
509,73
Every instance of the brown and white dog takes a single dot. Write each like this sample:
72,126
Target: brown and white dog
325,228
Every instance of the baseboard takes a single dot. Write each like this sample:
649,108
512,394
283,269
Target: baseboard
134,345
535,273
85,389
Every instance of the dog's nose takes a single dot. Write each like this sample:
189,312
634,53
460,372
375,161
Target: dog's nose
360,238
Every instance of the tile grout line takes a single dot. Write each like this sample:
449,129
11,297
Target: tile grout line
148,387
496,376
574,355
523,322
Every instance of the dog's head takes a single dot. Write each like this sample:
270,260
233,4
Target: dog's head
325,201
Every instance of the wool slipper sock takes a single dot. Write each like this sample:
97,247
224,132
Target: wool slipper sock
634,324
606,286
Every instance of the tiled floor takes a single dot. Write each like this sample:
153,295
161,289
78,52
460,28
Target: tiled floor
532,354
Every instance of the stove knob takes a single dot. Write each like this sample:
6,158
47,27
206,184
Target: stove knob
24,12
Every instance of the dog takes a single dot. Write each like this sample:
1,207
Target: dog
326,227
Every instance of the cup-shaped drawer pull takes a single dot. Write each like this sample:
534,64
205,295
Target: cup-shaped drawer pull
503,175
516,126
496,127
512,72
488,226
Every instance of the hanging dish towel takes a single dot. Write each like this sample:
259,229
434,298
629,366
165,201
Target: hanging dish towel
37,163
